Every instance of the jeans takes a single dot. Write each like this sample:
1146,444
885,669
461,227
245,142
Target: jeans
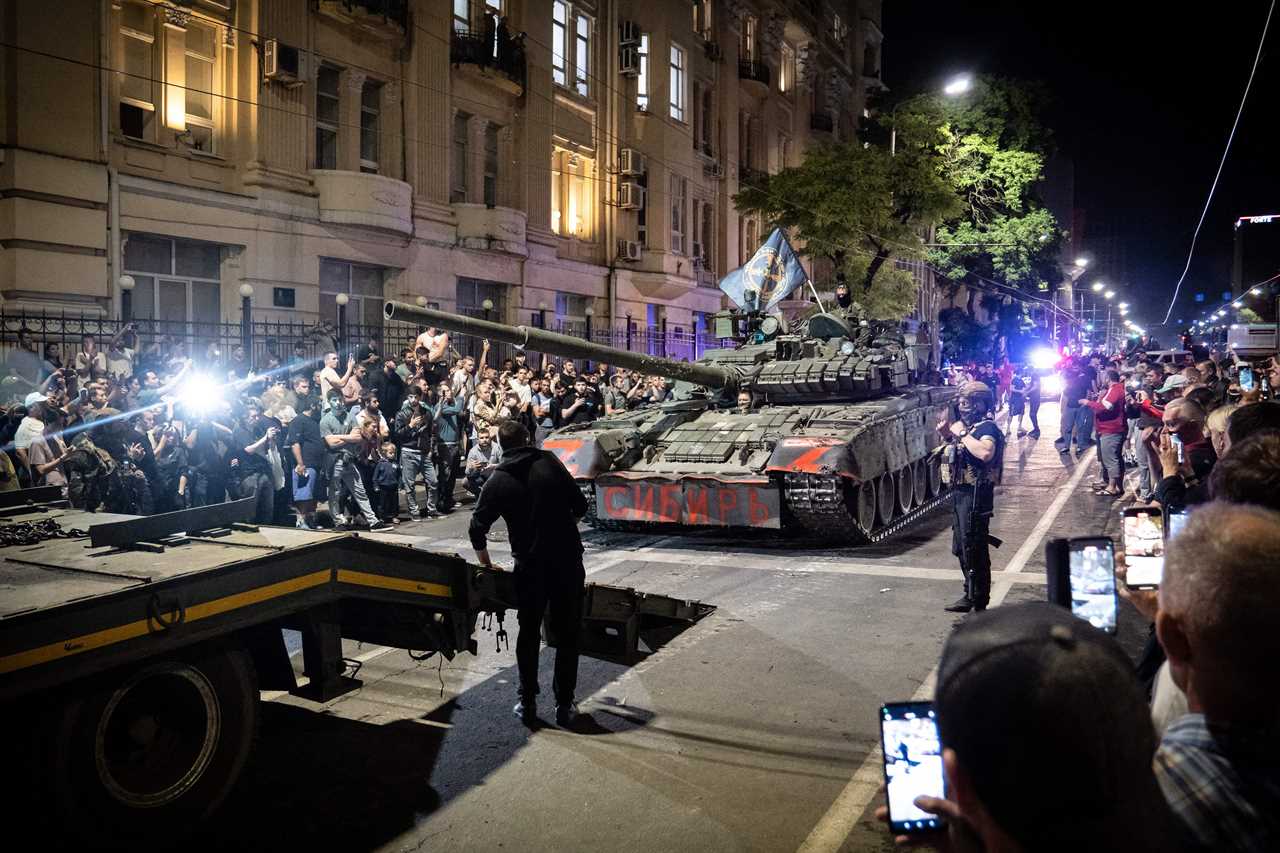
1146,484
411,464
476,481
446,474
560,590
260,488
969,542
346,476
1111,454
1077,421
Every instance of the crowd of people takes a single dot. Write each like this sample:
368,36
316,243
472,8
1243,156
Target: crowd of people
1053,738
141,427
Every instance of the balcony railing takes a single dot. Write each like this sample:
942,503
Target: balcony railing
822,122
505,55
756,72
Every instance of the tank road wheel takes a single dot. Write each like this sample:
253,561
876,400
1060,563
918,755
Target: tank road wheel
934,465
865,507
904,483
157,750
885,497
920,481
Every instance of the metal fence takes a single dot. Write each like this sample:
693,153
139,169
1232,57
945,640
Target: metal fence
211,345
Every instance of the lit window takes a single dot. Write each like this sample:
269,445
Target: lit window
642,81
201,52
581,54
572,180
370,107
327,117
679,221
559,42
137,87
678,82
702,19
787,69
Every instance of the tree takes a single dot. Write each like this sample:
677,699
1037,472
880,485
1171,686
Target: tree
859,208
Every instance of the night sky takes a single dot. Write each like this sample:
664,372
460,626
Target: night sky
1144,94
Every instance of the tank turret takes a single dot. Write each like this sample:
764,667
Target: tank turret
718,377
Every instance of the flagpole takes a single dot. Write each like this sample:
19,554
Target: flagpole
818,298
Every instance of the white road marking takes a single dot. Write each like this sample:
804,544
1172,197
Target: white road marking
834,827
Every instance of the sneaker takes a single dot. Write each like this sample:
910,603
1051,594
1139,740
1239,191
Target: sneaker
428,513
1035,433
527,711
379,525
964,605
566,714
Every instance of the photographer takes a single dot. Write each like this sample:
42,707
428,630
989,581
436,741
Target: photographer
1185,455
974,455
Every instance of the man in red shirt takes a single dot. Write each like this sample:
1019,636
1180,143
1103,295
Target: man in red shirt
1109,422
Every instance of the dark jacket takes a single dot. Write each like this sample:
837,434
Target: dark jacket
413,438
538,499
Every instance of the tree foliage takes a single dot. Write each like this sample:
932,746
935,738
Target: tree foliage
859,208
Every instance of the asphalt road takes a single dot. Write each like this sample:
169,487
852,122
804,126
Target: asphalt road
755,729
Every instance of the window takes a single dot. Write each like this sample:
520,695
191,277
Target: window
370,107
784,151
362,284
707,120
201,53
707,235
461,16
559,42
679,221
174,280
642,81
642,215
677,79
787,69
581,54
571,313
137,86
838,30
572,182
327,117
702,18
748,46
491,165
748,239
746,141
458,163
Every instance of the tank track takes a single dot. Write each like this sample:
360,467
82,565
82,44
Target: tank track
818,505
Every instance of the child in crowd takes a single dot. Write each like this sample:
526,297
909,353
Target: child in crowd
386,484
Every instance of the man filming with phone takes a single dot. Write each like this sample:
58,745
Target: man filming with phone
972,460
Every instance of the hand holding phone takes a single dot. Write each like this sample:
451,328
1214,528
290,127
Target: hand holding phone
912,751
1143,546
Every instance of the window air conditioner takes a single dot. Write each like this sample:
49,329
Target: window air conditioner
713,170
630,196
281,63
630,162
630,33
629,250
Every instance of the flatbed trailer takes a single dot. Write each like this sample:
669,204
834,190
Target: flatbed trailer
137,647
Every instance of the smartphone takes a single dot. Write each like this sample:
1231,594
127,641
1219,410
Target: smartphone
912,765
1144,546
1246,379
1176,521
1092,570
1177,445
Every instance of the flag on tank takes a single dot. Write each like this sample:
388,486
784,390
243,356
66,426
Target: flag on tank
771,275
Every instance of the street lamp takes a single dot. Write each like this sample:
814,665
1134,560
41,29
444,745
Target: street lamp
487,305
1256,291
957,85
422,301
1082,262
1109,294
127,284
1097,286
342,299
246,316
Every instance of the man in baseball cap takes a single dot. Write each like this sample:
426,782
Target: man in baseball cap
1047,738
1173,385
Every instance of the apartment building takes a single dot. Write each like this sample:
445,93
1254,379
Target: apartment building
552,160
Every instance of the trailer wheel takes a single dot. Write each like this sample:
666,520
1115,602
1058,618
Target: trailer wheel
159,749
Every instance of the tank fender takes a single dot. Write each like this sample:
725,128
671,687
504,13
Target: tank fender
809,454
585,454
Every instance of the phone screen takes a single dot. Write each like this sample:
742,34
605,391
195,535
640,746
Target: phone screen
912,764
1144,546
1246,379
1177,521
1093,582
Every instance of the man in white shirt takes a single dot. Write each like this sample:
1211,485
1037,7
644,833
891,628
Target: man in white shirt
31,427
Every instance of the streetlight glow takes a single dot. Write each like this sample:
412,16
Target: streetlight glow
958,85
1097,286
1082,262
1257,291
1109,294
1124,304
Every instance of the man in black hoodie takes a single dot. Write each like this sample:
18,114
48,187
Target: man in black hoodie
540,502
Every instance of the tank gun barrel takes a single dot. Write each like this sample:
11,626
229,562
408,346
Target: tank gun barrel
555,343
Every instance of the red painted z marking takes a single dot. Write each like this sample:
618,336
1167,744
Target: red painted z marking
564,449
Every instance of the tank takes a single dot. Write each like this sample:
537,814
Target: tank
839,441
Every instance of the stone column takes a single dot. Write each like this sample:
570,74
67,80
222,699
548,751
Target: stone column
350,87
476,126
391,139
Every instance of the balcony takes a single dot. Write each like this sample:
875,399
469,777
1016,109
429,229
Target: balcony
387,20
755,75
822,122
358,198
499,229
504,56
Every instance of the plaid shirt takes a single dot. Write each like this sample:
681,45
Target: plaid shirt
1222,784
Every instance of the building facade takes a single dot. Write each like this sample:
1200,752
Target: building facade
551,160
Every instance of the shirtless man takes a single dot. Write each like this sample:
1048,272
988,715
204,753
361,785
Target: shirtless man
437,346
330,379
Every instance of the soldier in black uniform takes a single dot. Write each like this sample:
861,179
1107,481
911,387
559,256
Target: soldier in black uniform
973,460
